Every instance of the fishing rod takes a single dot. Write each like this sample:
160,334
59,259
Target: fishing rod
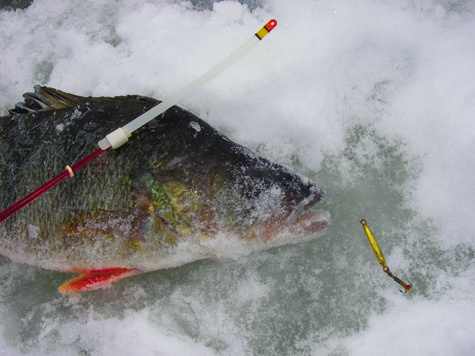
120,136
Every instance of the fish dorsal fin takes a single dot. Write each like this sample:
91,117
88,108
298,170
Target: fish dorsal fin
46,98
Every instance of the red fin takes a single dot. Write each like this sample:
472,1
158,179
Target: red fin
96,279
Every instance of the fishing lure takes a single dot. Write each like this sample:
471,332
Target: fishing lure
380,257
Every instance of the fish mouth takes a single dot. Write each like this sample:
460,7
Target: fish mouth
303,219
297,219
309,222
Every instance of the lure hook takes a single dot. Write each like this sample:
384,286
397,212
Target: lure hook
407,286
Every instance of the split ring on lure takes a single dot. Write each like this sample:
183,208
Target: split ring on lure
380,257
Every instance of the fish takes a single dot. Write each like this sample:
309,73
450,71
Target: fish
179,191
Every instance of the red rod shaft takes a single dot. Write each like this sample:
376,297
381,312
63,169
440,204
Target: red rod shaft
4,215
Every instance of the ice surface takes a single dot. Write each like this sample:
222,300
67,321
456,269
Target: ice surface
372,100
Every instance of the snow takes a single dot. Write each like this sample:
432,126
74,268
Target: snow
372,100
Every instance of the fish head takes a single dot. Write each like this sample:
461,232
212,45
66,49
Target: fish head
214,185
260,199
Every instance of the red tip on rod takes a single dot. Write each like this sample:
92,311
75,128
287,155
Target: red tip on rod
270,25
4,215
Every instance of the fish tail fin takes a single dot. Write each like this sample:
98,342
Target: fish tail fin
96,279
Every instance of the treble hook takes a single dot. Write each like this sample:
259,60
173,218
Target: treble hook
407,286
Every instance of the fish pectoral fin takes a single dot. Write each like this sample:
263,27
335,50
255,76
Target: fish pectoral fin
96,279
